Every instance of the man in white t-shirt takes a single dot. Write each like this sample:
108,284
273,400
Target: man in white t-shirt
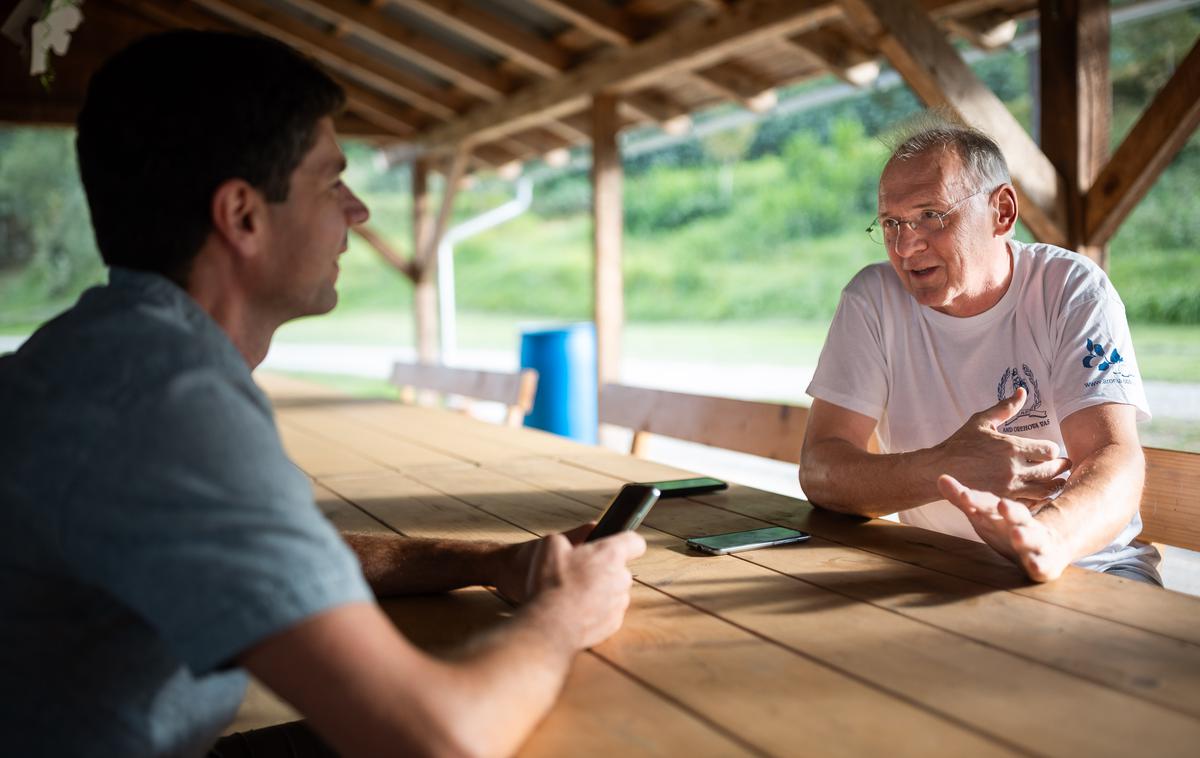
999,377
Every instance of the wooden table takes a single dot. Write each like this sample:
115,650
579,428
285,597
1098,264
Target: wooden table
871,639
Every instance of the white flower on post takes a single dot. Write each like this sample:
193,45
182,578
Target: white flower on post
53,32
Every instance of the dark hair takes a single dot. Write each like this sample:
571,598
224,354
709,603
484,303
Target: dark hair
171,117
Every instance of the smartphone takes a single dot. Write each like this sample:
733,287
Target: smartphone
626,511
686,487
735,542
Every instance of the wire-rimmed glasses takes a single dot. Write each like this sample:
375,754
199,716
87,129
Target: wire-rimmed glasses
886,230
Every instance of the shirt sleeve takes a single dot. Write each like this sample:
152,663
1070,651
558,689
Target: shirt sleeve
852,370
1095,361
204,528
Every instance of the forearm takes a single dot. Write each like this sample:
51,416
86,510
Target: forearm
395,565
1099,499
509,680
839,476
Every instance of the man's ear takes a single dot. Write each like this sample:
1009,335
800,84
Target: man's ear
1005,210
239,216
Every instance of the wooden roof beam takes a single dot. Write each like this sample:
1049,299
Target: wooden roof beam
618,28
384,32
492,33
1146,151
595,17
739,82
934,70
334,53
368,106
844,57
694,43
991,30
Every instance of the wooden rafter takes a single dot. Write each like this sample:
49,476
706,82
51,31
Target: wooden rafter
1146,151
844,57
617,27
334,53
387,115
493,33
398,39
934,70
694,44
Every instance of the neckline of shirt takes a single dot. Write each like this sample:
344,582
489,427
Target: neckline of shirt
997,311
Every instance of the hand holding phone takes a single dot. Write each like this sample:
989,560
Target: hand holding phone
626,511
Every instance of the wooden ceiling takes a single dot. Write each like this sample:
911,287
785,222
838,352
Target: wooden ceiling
514,79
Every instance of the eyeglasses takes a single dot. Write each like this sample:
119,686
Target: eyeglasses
886,230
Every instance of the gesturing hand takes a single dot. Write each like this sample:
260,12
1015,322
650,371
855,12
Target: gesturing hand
1010,466
1010,529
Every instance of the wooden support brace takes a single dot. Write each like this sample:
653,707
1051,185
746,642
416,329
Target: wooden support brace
608,216
1146,151
934,70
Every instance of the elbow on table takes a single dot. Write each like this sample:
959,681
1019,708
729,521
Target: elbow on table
820,486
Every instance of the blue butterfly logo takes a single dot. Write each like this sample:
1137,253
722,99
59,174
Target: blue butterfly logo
1095,357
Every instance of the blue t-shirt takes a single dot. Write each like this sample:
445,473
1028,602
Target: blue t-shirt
151,529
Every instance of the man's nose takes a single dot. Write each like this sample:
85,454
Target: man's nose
907,241
356,210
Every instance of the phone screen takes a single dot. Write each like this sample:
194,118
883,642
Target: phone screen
720,544
686,487
626,511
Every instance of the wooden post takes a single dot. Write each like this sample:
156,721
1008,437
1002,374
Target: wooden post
425,311
607,217
1076,105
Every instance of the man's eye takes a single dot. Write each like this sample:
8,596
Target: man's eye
930,215
890,224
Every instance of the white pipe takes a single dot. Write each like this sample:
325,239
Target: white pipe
447,307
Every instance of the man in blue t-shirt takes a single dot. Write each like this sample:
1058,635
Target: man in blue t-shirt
155,542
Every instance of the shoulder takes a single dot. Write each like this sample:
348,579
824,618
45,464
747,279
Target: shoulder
1061,275
117,349
876,289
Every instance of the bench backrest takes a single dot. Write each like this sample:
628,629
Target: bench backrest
1171,499
770,430
513,390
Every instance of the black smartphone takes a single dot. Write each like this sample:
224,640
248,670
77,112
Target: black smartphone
686,487
626,511
735,542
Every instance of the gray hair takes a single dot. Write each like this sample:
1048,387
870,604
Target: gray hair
984,167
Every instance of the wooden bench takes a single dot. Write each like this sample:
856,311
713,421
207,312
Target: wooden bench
516,391
770,430
1171,499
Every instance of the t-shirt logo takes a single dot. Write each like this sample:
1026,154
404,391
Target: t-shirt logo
1095,356
1010,380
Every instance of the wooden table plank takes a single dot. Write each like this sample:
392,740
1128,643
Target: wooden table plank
319,456
1166,671
870,617
387,450
944,659
1163,671
714,687
1112,598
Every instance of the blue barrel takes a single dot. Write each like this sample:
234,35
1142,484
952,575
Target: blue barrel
565,359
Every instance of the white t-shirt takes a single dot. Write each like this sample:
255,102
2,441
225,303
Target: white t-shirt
1059,331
